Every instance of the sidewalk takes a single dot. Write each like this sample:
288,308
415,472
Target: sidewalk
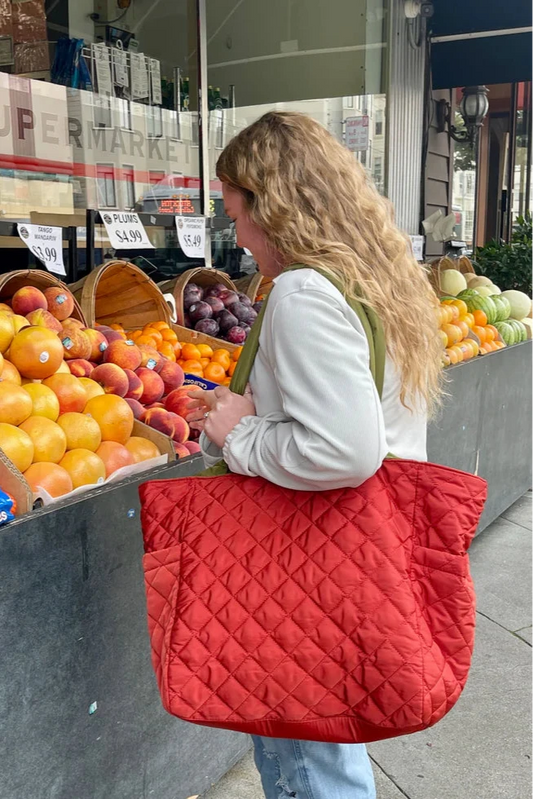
481,750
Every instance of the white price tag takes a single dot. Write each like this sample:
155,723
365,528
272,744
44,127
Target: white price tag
126,231
46,243
120,68
191,235
140,87
155,81
101,56
417,243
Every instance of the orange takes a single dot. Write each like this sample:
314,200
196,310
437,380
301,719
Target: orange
10,374
6,330
53,478
469,319
484,349
135,334
36,352
177,349
141,449
145,339
205,362
490,334
480,332
480,318
155,334
462,306
463,327
190,352
169,335
226,381
215,372
49,440
17,446
114,456
84,467
499,345
167,350
70,392
205,350
452,356
237,354
193,366
161,326
117,327
15,403
44,401
453,333
222,357
81,431
181,362
114,417
92,388
233,365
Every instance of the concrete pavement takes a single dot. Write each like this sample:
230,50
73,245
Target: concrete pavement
482,749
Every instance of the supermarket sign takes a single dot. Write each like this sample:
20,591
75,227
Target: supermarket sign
356,133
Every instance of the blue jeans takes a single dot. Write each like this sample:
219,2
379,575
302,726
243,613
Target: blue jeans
313,770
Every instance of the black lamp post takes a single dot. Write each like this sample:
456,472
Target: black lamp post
473,108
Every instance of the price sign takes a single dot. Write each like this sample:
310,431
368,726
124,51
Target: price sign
417,243
126,231
191,235
356,134
46,243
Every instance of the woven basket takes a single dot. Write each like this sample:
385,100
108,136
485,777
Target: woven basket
254,286
11,282
120,293
436,268
202,277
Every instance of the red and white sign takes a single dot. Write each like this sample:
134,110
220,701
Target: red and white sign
357,133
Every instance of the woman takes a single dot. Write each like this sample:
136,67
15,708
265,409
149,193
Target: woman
311,418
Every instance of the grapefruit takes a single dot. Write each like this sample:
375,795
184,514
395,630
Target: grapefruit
142,449
49,440
15,403
53,478
115,456
6,331
92,388
114,417
17,446
69,391
81,431
10,374
36,352
84,467
45,402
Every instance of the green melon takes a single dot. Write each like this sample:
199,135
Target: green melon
485,304
507,332
464,295
503,306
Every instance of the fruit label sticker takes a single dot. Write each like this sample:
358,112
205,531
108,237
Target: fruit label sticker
191,235
44,357
151,364
46,243
67,343
126,231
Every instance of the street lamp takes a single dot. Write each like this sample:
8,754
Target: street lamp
473,108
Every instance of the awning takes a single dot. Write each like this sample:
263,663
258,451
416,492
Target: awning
477,42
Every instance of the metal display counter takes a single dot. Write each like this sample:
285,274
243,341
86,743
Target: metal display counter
80,712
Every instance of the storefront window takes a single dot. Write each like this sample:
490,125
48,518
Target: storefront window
464,187
522,165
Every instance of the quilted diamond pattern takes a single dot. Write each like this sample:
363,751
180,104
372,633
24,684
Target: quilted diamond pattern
343,616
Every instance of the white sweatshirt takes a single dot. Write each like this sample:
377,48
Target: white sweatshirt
319,424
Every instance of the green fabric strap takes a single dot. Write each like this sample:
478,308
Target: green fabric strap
371,325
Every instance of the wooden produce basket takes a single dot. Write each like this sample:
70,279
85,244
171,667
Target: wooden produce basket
202,277
436,268
187,336
254,286
11,282
120,293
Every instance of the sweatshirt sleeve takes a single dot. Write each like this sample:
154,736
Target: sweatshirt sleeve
331,433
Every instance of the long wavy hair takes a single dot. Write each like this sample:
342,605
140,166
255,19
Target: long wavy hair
318,207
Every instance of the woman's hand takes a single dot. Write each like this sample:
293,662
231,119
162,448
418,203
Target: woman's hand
217,412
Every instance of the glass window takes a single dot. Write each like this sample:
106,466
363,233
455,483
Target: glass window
128,183
105,174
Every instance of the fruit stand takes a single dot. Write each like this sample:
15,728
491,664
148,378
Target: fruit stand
81,711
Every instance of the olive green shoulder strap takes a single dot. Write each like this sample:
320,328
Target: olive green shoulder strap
368,317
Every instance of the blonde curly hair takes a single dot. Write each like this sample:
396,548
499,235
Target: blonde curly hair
318,207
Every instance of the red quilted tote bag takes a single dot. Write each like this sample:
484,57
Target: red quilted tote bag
343,616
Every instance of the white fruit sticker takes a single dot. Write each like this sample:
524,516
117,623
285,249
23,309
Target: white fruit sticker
44,357
61,298
67,343
151,364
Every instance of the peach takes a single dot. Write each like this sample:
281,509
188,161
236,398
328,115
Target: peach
153,386
172,376
181,450
60,302
181,428
136,407
71,322
151,358
98,344
160,420
136,387
124,354
28,299
42,318
75,344
179,403
69,391
193,447
156,405
80,368
112,378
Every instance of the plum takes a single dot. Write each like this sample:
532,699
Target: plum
208,326
245,299
187,320
199,311
228,297
215,291
226,320
250,317
246,329
191,294
236,335
216,304
257,306
239,310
